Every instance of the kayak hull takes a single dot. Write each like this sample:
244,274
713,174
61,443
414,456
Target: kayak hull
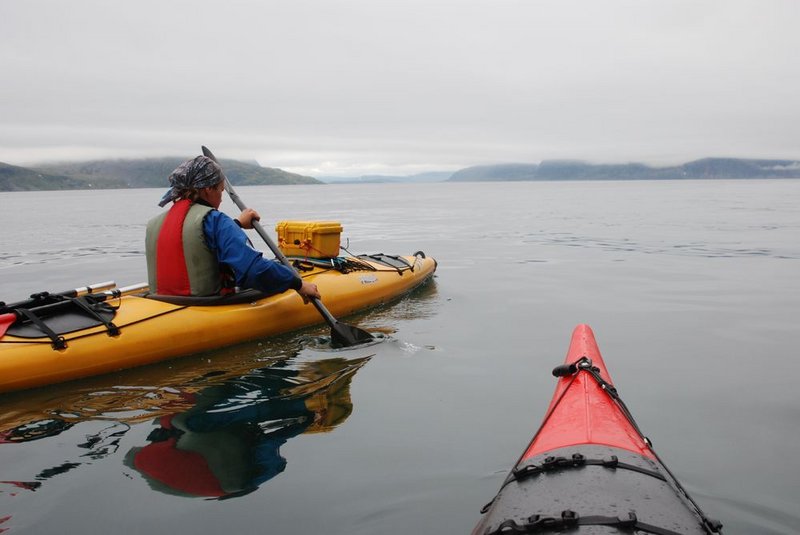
151,330
588,469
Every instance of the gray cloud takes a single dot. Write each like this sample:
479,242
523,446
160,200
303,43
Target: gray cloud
391,86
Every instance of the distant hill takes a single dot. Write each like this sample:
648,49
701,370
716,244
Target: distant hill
577,170
14,178
506,172
434,176
140,173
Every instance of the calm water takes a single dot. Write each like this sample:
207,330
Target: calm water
691,288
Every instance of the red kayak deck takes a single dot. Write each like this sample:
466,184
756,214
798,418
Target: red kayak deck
581,412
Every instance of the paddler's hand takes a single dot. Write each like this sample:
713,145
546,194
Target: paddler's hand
308,290
247,217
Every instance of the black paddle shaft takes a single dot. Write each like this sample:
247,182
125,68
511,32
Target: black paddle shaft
342,334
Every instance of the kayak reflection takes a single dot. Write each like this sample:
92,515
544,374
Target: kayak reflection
228,443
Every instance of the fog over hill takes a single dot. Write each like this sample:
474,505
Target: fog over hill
434,176
707,168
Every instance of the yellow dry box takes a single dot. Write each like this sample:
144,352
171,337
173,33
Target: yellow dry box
309,239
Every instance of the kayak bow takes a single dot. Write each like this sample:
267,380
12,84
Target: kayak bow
588,468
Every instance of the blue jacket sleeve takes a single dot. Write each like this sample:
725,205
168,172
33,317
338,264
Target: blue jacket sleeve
251,269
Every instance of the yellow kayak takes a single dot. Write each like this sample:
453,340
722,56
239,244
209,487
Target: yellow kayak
139,328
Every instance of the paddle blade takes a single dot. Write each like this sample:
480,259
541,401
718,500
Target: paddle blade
347,335
6,321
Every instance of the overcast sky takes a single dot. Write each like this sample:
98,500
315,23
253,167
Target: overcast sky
333,87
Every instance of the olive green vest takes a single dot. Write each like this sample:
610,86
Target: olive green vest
201,263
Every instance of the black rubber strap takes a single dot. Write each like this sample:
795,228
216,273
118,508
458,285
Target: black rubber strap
58,341
399,259
81,303
630,523
571,519
402,260
552,464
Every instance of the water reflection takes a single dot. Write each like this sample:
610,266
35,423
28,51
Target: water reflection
229,442
98,445
216,435
422,303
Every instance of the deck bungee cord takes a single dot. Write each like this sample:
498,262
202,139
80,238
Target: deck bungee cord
363,262
53,315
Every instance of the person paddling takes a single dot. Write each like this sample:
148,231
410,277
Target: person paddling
193,249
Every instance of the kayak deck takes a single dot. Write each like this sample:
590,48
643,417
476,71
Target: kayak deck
588,469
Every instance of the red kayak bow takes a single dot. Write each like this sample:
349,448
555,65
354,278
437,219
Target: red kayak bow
588,468
581,411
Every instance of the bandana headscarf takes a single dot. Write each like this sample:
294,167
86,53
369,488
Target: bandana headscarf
198,173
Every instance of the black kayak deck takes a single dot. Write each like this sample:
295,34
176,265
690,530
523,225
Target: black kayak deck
590,489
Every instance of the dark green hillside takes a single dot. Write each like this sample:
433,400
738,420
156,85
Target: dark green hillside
576,170
245,174
104,174
153,173
14,178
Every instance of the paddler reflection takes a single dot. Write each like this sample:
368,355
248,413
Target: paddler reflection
228,443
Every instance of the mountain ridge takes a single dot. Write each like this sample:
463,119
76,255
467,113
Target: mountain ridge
705,168
16,178
131,173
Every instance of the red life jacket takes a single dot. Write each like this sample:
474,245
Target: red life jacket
178,260
172,275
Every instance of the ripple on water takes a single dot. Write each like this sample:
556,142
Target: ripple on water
325,343
627,245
